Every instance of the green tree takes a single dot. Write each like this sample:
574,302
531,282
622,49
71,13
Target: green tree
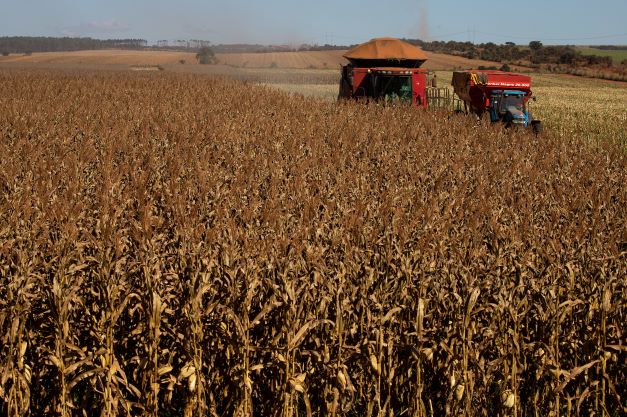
535,45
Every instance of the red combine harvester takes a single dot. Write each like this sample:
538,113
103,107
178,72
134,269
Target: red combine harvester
504,95
388,69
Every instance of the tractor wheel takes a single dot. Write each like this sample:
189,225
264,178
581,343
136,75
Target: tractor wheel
536,125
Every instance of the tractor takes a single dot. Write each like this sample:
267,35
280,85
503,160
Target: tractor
503,95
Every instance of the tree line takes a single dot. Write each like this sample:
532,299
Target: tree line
535,52
28,44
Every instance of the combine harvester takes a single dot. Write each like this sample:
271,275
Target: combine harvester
389,69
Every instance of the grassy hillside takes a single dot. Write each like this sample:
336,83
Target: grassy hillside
617,55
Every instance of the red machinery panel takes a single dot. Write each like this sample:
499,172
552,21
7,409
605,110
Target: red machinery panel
359,77
362,81
475,86
419,88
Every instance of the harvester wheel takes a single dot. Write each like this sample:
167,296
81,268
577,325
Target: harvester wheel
345,89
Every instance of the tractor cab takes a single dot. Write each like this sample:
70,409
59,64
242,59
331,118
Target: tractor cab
509,106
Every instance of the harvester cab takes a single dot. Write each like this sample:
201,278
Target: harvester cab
391,84
393,87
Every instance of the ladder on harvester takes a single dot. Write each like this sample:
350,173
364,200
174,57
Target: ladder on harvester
443,98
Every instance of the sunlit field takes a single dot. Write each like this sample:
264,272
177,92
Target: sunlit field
192,245
583,108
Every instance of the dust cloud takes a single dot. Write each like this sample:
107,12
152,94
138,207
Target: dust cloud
423,25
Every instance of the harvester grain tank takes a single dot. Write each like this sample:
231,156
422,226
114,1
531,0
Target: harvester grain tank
503,95
386,68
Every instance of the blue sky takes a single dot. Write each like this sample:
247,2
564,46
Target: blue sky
321,21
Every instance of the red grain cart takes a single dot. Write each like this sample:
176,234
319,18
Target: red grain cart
504,95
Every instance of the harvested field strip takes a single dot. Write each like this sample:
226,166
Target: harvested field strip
103,57
308,59
179,245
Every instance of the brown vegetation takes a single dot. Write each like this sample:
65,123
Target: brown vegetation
101,57
333,59
299,60
179,245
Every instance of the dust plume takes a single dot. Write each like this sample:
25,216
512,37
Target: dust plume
423,25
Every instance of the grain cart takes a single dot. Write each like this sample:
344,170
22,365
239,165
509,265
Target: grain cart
389,69
503,95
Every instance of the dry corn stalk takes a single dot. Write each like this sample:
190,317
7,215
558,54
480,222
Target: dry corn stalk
223,249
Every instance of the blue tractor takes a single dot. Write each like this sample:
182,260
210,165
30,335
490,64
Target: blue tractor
509,106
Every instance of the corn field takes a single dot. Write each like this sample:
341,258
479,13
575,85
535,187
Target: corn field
179,245
592,114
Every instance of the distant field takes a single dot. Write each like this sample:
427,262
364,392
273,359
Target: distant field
333,59
308,59
102,57
292,60
617,55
